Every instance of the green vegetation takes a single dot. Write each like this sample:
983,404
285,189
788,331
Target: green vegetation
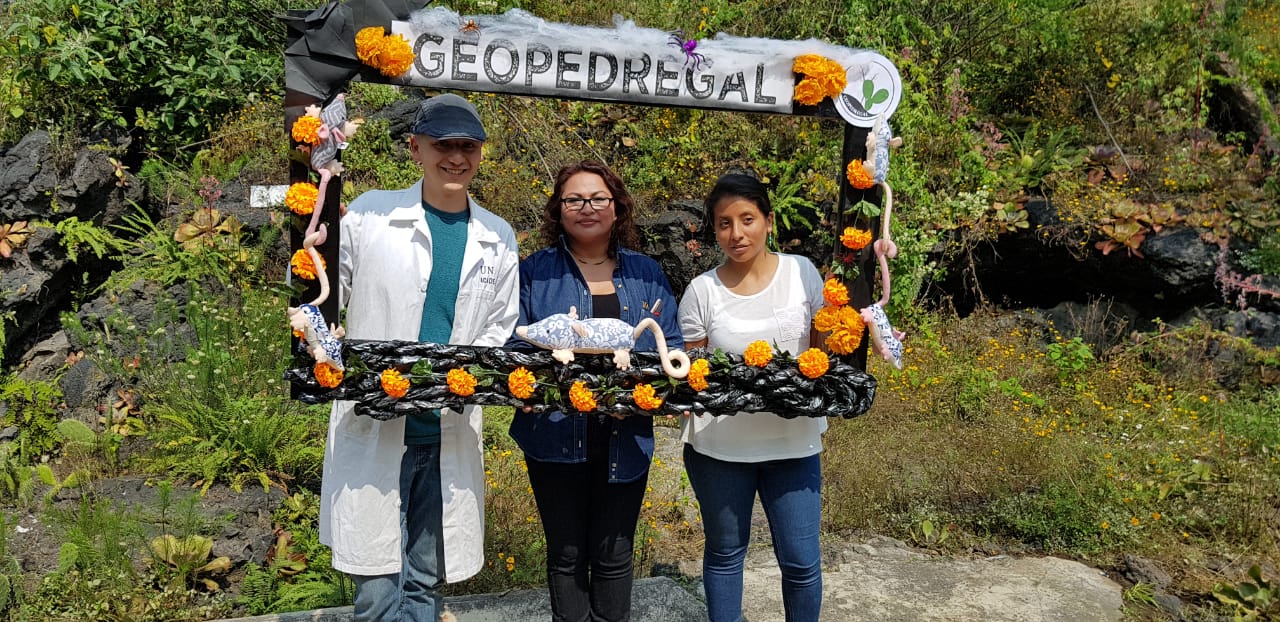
1088,445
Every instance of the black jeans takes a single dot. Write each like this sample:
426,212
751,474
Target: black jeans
590,526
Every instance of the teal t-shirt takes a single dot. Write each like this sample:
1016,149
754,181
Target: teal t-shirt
448,243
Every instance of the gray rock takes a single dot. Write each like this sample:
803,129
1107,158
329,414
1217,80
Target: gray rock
1142,570
84,385
884,590
655,599
46,358
8,433
1179,258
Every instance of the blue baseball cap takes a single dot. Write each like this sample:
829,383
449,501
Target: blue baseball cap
448,116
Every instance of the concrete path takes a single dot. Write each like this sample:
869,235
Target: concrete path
880,581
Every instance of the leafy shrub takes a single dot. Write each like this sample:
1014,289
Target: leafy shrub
159,71
32,406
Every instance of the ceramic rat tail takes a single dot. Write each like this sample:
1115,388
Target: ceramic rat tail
667,356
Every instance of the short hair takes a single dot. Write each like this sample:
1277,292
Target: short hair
624,232
736,185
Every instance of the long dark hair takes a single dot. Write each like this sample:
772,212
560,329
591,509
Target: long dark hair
624,232
737,185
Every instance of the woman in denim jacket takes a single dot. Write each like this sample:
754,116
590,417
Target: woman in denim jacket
589,471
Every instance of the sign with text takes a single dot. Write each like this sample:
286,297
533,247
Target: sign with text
517,53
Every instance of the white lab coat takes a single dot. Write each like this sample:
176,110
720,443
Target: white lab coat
385,257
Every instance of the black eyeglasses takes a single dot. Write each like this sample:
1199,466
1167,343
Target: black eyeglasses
577,203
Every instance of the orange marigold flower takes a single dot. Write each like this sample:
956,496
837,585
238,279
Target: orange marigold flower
844,340
646,397
297,333
807,64
833,81
394,384
301,198
396,56
835,293
698,374
809,92
368,44
581,397
758,353
858,176
851,320
461,382
306,130
813,362
520,382
327,375
826,319
855,239
303,265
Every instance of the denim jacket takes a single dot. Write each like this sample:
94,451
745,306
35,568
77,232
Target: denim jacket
550,283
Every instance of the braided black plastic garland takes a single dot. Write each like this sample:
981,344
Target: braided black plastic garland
732,386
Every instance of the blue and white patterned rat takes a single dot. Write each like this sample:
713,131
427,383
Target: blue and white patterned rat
565,334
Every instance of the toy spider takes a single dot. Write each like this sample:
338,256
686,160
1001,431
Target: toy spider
689,47
469,26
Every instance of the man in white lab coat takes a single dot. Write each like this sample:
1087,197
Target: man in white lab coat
402,501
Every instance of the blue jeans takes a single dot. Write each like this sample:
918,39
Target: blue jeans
791,493
412,595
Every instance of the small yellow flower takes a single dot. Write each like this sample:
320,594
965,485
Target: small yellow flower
520,382
581,397
304,266
1134,521
394,384
855,239
646,397
461,382
327,375
1106,525
698,374
306,130
857,175
835,293
758,353
301,198
813,363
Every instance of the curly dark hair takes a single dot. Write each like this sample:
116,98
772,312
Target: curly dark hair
624,231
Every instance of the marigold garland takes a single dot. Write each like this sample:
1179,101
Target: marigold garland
855,239
520,383
306,130
303,265
646,397
301,198
327,375
823,78
813,363
698,374
461,382
858,176
394,384
581,397
758,354
835,293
